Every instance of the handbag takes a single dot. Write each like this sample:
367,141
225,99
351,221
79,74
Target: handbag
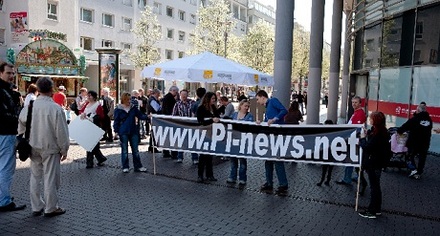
24,148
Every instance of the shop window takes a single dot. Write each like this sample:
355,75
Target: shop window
52,10
86,43
107,20
86,15
170,11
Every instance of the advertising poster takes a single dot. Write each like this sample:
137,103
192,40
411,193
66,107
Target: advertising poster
19,26
109,69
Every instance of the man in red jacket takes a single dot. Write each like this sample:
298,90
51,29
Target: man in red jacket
59,97
358,117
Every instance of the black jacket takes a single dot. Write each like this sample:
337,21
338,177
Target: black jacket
376,150
419,127
9,109
168,103
202,114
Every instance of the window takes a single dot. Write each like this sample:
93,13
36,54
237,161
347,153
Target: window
86,15
157,8
202,3
170,34
181,36
192,20
52,10
107,20
243,27
182,15
170,11
419,30
86,43
126,24
107,43
142,4
193,2
181,54
126,46
2,36
127,3
169,54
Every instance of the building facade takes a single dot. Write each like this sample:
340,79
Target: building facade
396,62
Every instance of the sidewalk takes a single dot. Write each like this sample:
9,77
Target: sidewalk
104,201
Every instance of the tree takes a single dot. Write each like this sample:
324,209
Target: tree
257,49
148,31
301,47
213,30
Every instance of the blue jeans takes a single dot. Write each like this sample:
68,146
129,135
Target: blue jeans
134,143
241,172
7,167
348,174
194,156
280,170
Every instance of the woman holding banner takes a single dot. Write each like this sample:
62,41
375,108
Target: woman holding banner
244,115
376,151
207,114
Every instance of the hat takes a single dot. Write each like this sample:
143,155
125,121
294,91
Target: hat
61,87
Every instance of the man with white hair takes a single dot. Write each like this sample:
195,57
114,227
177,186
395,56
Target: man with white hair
108,105
168,102
419,138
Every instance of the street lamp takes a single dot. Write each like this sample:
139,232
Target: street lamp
227,24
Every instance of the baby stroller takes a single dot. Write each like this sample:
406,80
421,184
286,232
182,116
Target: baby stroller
399,158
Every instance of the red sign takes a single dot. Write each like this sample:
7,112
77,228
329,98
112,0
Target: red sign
401,109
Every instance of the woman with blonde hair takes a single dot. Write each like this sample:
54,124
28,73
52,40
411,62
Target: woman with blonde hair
242,114
127,128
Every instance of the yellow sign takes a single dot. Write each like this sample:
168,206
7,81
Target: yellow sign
256,78
157,71
207,74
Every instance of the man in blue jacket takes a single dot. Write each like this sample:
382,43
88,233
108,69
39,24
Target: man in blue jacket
275,112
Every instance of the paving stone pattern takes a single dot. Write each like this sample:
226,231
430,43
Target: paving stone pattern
105,201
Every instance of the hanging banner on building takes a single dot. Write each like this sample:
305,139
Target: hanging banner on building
19,26
323,144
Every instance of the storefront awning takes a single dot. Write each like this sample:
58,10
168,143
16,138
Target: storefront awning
57,76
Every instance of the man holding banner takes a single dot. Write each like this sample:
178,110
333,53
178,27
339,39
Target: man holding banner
275,112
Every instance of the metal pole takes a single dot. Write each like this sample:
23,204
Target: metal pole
335,55
346,68
315,65
283,50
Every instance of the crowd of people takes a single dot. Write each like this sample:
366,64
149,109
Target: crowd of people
131,123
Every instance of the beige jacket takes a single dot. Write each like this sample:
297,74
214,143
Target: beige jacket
49,130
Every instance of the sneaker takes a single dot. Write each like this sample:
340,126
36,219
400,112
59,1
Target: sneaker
126,170
196,162
282,191
266,188
412,173
230,181
142,169
179,160
378,213
367,214
242,182
416,176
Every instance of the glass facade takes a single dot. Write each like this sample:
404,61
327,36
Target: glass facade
398,42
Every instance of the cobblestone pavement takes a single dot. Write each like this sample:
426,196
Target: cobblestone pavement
105,201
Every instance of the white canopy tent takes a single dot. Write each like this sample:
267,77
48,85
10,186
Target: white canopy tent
207,68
